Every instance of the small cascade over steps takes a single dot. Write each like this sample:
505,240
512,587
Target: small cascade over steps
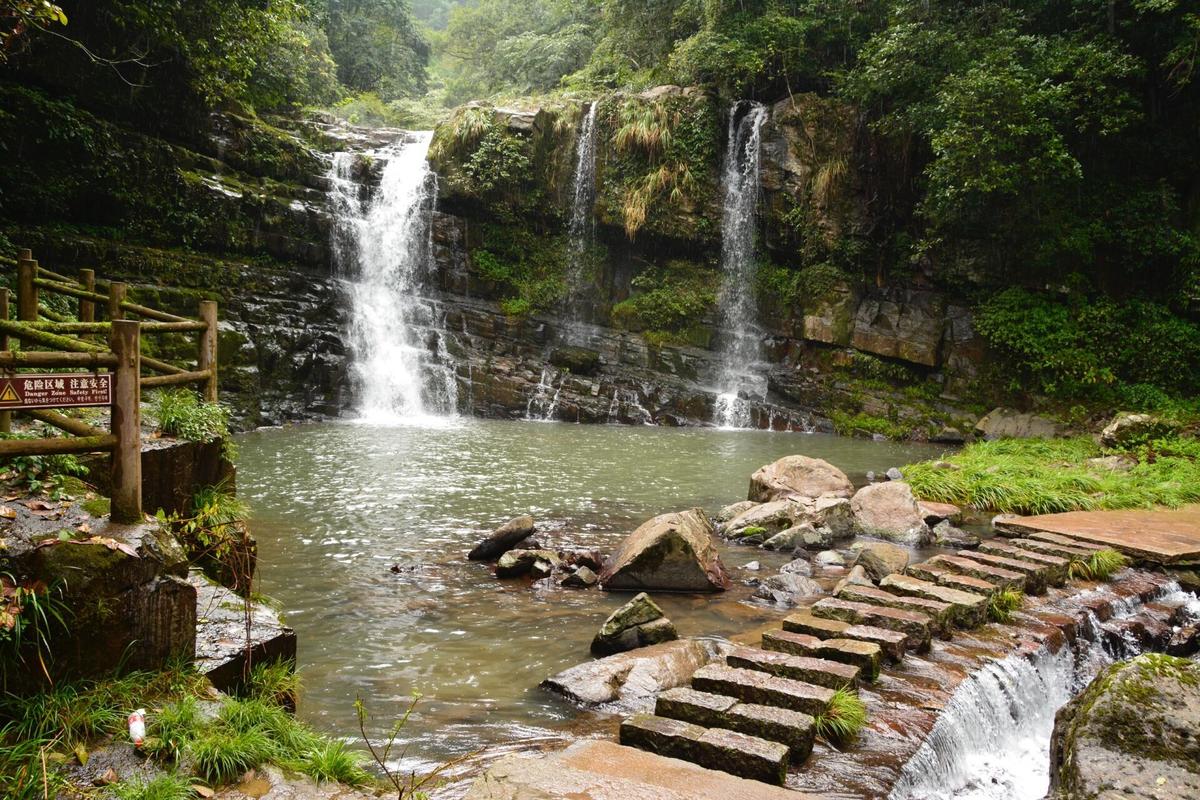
910,647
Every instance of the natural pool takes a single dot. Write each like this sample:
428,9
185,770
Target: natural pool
337,505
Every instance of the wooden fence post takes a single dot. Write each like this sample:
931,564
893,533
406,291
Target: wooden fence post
116,296
87,308
207,358
27,292
127,422
5,416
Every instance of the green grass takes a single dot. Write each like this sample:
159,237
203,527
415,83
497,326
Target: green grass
1099,566
1002,603
220,755
164,787
276,682
24,774
843,719
1033,476
331,761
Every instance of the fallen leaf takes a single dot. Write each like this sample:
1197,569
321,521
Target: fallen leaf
203,791
38,505
7,512
82,754
45,513
84,528
111,544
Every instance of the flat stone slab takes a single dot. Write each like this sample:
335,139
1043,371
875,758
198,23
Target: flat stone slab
917,627
1003,578
941,613
1161,536
716,748
752,686
600,770
817,671
1054,538
221,634
864,655
690,705
793,729
1036,575
1056,566
893,643
944,576
968,609
1067,551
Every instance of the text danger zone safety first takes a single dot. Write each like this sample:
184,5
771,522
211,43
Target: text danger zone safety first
71,390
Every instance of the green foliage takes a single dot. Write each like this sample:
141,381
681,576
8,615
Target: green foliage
39,473
1002,603
529,268
163,787
499,163
18,17
1093,349
180,412
864,424
25,774
670,299
276,682
1099,566
376,46
29,613
845,717
1029,476
332,761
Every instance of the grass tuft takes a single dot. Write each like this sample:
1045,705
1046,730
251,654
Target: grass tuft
1002,603
1099,566
843,719
220,755
331,761
276,682
164,787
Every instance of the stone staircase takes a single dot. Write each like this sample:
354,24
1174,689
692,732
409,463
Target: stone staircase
758,713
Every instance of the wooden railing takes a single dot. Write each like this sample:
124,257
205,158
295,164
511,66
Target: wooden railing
69,344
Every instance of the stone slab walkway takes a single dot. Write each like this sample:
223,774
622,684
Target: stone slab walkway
601,770
1161,536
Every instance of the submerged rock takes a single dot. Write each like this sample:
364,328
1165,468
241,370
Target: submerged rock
672,553
638,623
890,511
798,476
503,539
516,563
582,578
1131,733
632,679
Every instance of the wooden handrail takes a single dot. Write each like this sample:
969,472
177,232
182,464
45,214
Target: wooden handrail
105,327
96,297
23,359
177,379
73,426
57,447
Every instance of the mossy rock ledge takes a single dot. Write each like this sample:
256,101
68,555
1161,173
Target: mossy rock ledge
1131,734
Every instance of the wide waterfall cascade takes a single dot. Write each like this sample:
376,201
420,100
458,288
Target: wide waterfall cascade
582,226
740,334
992,741
382,244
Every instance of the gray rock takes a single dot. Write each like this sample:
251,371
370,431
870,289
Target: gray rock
516,563
753,566
946,535
734,509
1116,463
582,578
948,435
894,474
880,559
1005,423
638,623
1126,430
631,680
830,558
800,566
1130,734
889,511
769,518
870,476
503,539
798,476
788,589
672,552
857,576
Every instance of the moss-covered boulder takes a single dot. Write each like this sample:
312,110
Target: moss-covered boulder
1131,734
672,552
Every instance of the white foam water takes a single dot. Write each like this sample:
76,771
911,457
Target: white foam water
401,369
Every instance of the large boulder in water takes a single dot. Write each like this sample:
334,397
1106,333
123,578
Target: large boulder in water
1131,733
632,680
890,511
503,539
798,476
670,553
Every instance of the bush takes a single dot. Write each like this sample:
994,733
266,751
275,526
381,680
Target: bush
669,299
180,412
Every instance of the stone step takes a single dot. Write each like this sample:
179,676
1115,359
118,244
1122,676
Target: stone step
941,613
1002,578
1036,575
1071,552
752,686
864,655
944,576
714,748
1056,566
1055,538
892,643
794,729
969,609
817,671
917,627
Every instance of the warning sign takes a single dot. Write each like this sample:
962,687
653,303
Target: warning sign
72,390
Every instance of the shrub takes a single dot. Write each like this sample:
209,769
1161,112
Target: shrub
669,299
331,761
180,412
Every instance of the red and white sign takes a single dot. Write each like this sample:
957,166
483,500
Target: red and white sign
71,390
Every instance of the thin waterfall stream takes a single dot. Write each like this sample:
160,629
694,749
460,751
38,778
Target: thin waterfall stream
582,226
740,333
382,246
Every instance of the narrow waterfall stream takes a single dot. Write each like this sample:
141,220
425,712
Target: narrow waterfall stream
993,740
581,227
740,334
382,246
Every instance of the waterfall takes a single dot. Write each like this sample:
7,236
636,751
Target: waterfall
740,335
543,403
582,227
382,243
992,742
